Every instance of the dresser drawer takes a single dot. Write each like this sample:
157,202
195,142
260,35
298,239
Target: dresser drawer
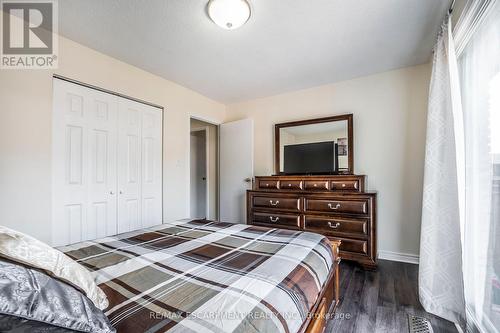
337,206
291,184
344,185
276,203
316,185
353,246
333,226
268,184
276,220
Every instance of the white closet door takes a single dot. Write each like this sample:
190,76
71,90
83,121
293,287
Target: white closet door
102,196
84,163
107,164
151,166
129,161
140,166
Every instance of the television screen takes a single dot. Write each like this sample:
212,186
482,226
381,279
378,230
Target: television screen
310,158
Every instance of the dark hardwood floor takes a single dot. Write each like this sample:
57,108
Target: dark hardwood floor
380,301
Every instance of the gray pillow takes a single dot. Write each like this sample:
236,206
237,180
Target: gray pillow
10,324
29,294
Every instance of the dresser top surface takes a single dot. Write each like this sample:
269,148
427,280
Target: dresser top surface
310,176
339,193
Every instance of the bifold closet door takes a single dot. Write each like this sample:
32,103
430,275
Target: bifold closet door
152,181
84,163
107,164
140,161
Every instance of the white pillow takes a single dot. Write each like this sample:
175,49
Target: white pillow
29,251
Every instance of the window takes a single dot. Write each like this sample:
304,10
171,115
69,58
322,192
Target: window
480,84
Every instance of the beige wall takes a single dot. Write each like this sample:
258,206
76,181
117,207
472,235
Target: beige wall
389,137
25,132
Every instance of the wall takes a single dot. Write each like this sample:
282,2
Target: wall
213,157
389,136
25,132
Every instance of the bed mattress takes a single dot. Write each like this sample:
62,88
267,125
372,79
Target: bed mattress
204,276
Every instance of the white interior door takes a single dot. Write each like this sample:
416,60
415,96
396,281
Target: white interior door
84,163
236,169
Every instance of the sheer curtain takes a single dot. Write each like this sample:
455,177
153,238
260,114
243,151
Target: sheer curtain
441,287
459,274
478,35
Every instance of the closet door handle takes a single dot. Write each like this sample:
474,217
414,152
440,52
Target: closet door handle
274,203
121,192
111,192
334,226
337,206
274,219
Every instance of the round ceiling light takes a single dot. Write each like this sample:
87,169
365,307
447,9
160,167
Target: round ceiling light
229,14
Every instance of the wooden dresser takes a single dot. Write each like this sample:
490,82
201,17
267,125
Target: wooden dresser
335,206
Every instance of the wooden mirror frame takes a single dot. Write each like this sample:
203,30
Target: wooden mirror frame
350,138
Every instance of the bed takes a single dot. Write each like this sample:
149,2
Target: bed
203,276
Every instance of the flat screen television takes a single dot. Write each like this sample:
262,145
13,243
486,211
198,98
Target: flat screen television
310,158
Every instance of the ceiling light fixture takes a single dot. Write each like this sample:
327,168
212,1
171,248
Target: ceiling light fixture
229,14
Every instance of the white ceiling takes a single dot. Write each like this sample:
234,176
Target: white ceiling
286,45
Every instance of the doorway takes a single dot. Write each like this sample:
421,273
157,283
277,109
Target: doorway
203,170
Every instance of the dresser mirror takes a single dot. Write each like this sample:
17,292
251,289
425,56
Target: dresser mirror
315,146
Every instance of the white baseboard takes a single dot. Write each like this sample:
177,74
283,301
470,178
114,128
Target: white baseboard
396,256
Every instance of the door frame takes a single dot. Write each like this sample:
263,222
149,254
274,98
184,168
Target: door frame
207,151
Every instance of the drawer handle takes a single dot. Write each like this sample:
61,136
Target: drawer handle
337,206
289,185
315,185
343,185
274,219
274,203
267,185
334,226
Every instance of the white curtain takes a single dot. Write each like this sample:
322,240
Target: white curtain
479,66
459,272
441,287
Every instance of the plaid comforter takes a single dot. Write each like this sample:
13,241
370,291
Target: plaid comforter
202,276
